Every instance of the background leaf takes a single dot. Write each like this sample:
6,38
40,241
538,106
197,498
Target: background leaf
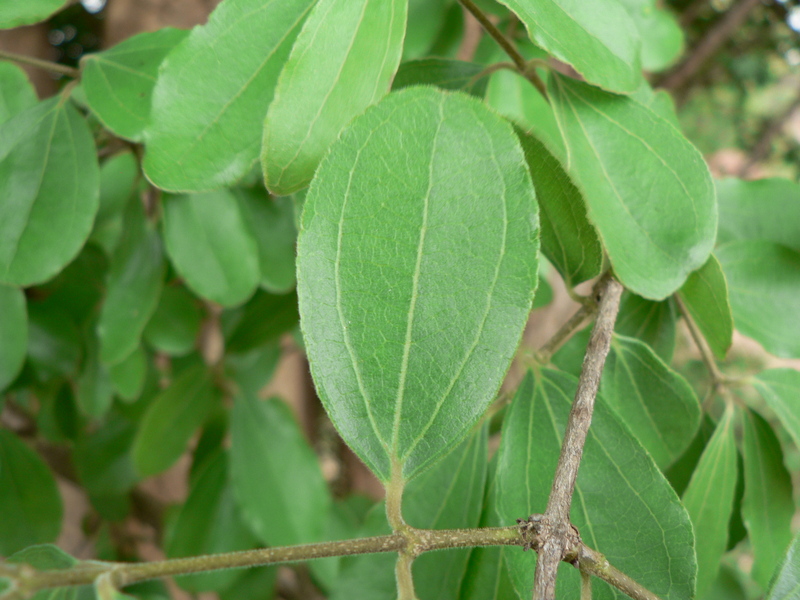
655,545
13,332
445,73
599,39
706,296
764,288
660,34
787,578
211,245
657,221
213,91
709,500
649,321
780,388
14,14
118,82
454,276
49,180
30,502
343,61
16,91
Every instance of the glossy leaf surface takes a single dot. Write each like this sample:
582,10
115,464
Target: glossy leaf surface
49,181
787,580
709,500
343,61
14,14
13,332
118,82
598,39
213,91
656,403
568,240
171,419
276,474
30,502
211,245
763,209
16,91
648,190
614,465
135,279
780,388
705,294
453,273
767,507
764,288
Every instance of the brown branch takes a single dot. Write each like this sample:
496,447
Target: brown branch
557,535
763,146
41,64
716,37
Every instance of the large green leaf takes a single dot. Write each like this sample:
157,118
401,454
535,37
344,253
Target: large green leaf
655,402
209,522
622,505
119,178
568,239
29,502
659,31
780,388
16,91
343,61
597,38
13,332
648,190
213,91
705,294
764,209
767,507
272,223
14,14
211,245
275,474
764,288
49,182
171,419
449,495
709,500
118,82
649,321
786,584
135,279
410,331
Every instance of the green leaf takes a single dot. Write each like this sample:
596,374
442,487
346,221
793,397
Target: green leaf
767,507
128,376
93,389
253,369
43,557
449,495
651,322
680,472
343,61
780,388
257,583
49,180
210,244
727,586
264,318
16,91
598,39
272,224
764,209
276,477
54,342
171,419
764,288
445,73
655,402
30,502
654,546
426,18
14,14
13,332
659,31
175,325
568,239
705,294
658,220
213,91
119,177
118,82
103,457
135,279
787,578
709,500
209,523
453,274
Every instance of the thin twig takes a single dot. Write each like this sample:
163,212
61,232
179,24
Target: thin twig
557,534
507,46
41,64
566,331
717,377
